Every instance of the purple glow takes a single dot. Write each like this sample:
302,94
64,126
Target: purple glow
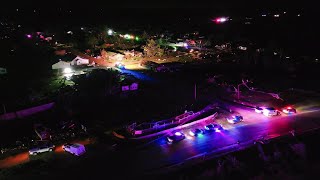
29,36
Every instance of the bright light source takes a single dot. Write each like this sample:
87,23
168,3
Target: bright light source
174,49
185,44
276,15
127,36
221,19
68,76
29,36
67,70
137,38
177,133
110,32
263,15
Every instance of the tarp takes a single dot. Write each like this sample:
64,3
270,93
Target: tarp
61,65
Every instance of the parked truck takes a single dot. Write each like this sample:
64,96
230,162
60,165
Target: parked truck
75,149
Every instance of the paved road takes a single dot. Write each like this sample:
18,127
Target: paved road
130,162
255,126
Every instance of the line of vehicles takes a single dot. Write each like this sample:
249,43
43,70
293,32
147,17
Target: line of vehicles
270,111
178,136
214,127
72,148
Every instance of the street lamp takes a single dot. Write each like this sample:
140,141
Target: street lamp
238,90
110,32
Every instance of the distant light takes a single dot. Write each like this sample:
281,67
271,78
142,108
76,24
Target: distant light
185,44
174,49
284,12
243,48
287,57
82,28
17,10
67,70
275,53
68,76
276,15
127,36
263,15
69,32
137,38
29,36
298,15
221,20
177,133
110,32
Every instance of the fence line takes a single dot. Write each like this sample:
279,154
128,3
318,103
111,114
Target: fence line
26,112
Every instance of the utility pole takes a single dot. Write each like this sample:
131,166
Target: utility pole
4,109
239,91
195,91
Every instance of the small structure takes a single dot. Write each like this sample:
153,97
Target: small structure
78,61
3,71
134,86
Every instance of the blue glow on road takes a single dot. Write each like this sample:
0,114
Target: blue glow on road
137,74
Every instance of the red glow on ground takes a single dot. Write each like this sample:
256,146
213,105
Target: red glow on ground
24,157
58,149
84,142
14,160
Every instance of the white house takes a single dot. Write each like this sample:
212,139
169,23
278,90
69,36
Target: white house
61,65
79,61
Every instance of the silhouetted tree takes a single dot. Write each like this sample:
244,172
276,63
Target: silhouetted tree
152,49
